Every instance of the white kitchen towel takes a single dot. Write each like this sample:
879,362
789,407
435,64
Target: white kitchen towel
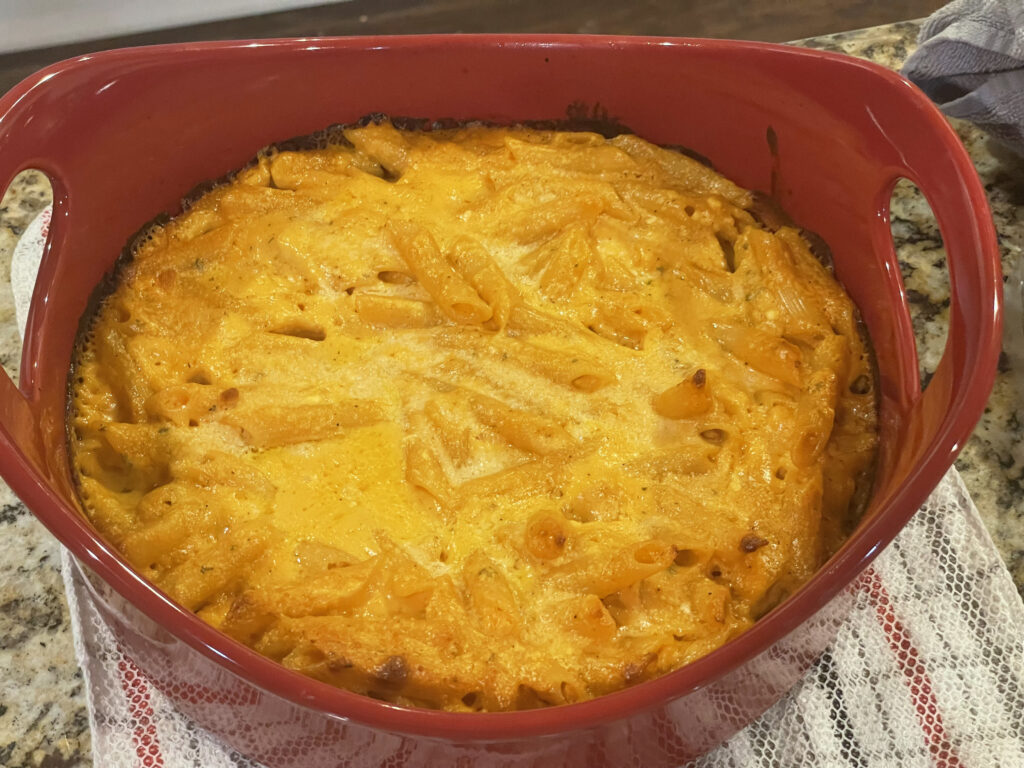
928,670
970,61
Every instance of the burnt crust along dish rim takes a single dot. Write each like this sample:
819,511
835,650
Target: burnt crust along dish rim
765,210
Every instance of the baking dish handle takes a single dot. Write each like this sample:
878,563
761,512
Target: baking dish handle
941,418
20,434
18,424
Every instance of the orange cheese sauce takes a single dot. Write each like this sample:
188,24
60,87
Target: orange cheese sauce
484,419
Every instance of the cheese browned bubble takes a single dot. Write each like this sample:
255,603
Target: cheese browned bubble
484,419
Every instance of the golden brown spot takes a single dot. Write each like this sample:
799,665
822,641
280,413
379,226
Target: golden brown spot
634,672
301,330
167,279
587,383
545,536
685,558
393,671
714,436
395,278
752,542
861,385
338,664
228,397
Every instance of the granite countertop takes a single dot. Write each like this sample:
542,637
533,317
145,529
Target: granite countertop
43,717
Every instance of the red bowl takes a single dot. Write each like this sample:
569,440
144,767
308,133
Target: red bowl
124,134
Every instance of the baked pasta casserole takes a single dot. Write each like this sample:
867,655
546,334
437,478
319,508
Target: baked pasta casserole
474,418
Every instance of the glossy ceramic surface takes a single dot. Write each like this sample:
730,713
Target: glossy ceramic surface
124,135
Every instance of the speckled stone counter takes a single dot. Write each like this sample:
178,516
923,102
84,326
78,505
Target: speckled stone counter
43,719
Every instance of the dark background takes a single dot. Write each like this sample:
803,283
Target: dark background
769,20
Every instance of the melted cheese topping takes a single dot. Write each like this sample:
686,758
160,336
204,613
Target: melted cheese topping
474,419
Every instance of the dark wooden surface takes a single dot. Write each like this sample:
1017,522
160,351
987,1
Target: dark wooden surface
770,20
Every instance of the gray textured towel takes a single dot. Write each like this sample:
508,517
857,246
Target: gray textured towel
971,63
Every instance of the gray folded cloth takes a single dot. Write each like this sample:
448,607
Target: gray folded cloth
970,61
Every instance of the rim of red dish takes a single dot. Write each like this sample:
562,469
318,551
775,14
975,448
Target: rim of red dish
887,519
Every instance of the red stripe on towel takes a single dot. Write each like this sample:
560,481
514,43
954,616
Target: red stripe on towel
144,735
915,674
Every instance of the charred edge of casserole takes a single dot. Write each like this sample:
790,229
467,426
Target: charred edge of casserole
769,213
864,485
580,116
90,314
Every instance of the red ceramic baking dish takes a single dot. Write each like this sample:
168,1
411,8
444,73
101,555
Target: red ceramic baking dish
124,135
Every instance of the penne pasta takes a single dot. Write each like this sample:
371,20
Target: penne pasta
382,144
215,569
619,324
588,617
770,355
271,426
577,371
409,586
336,591
218,468
490,595
247,619
530,478
301,171
547,536
684,171
108,510
191,519
130,384
423,470
561,263
183,404
478,269
525,430
454,435
689,457
688,399
395,312
251,199
472,417
453,295
530,321
630,564
549,358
